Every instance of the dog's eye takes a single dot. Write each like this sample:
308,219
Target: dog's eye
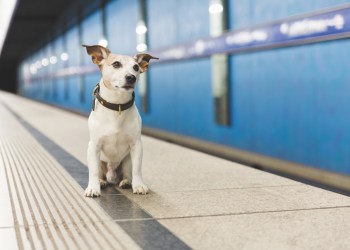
116,64
136,67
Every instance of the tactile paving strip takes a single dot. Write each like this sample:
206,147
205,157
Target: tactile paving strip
48,207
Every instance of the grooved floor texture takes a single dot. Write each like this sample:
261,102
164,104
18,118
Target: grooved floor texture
46,208
196,200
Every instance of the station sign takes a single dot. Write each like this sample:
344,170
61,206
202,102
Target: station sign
310,28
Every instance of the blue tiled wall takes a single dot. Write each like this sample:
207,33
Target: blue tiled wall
289,103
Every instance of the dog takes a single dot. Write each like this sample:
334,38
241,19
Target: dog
114,152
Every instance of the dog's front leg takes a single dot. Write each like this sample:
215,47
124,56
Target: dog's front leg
93,158
138,186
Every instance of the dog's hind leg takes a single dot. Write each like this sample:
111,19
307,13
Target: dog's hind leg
126,172
102,174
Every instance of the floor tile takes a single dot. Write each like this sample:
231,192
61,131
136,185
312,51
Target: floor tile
322,229
233,201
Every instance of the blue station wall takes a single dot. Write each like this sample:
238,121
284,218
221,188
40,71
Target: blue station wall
291,103
288,103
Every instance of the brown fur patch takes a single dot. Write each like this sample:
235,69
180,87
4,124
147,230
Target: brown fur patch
97,53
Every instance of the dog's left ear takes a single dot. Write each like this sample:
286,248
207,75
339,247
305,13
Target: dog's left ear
143,60
98,53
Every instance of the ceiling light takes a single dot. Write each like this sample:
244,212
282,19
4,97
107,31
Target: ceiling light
103,42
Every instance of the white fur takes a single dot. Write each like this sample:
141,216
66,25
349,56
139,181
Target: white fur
115,138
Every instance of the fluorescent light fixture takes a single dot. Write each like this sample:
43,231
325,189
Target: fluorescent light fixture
38,64
53,60
44,62
103,42
141,42
141,47
32,69
216,8
64,56
6,12
141,29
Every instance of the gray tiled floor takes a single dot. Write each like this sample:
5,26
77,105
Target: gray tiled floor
181,169
310,229
237,201
207,202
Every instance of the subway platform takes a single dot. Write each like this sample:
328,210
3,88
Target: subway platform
196,201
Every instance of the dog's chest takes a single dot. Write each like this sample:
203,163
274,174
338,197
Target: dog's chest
115,147
114,133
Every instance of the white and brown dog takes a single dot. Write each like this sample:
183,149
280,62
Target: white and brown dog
115,150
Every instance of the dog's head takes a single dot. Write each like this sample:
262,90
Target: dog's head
118,72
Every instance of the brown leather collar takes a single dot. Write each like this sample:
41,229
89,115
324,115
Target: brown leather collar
113,106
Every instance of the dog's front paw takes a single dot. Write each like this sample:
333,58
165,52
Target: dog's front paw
139,188
93,191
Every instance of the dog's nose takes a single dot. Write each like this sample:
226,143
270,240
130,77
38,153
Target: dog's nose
130,79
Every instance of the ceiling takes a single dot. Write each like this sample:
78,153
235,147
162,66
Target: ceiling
33,22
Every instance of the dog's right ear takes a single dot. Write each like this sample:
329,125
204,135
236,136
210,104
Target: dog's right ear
98,53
